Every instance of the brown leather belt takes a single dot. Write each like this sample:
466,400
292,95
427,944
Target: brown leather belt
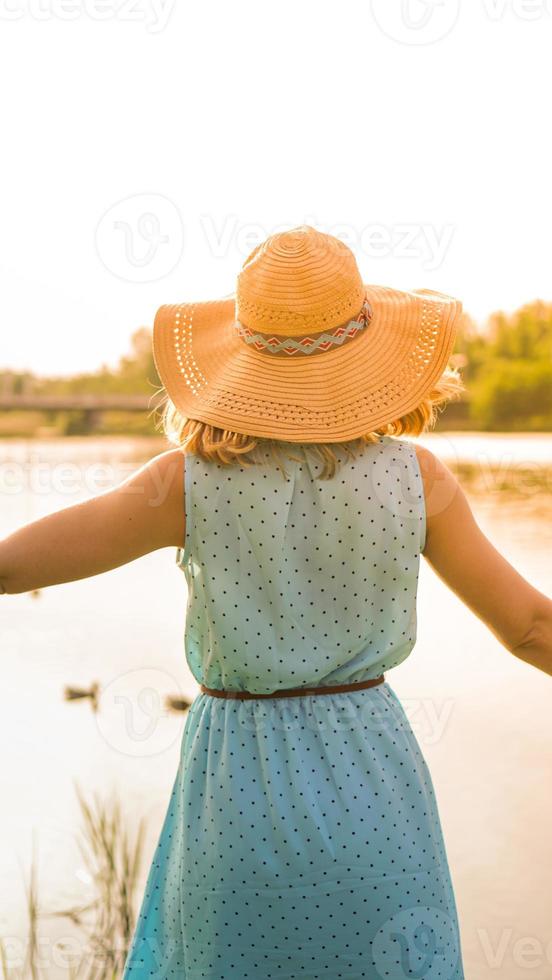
295,692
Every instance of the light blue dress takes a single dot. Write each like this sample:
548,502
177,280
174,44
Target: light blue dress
302,838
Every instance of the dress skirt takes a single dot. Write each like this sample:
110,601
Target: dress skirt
302,840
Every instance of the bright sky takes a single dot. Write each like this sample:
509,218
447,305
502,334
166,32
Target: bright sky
147,147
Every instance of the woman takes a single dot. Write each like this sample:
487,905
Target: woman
302,838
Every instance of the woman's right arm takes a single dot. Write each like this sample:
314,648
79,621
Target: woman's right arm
139,515
464,559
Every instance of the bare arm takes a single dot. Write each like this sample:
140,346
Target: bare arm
463,557
141,514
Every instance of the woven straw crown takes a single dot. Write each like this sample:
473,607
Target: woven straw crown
304,351
300,281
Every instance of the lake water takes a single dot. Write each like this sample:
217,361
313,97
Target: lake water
483,718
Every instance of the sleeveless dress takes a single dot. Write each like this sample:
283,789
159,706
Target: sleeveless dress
302,838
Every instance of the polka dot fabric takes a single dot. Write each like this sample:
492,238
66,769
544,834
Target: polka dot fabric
302,838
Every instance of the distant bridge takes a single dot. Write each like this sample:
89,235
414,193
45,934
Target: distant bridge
91,406
65,403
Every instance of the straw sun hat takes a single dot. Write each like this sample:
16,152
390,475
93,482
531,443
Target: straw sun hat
304,351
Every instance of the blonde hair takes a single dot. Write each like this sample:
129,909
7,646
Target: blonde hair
227,447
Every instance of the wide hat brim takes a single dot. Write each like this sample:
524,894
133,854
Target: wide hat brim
211,374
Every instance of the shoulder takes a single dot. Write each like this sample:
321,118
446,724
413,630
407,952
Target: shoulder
164,471
154,494
433,470
169,461
445,501
411,453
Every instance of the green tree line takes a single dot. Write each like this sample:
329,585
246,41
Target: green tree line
507,370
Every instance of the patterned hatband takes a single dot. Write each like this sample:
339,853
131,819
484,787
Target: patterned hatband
314,343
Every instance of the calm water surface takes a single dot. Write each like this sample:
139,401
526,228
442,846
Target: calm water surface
483,718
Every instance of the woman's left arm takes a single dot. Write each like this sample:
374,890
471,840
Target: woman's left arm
143,513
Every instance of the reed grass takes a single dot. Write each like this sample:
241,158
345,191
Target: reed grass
106,923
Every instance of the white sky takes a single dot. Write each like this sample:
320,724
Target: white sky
417,130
